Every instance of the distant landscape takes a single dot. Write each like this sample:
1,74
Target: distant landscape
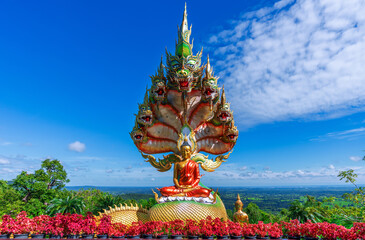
269,199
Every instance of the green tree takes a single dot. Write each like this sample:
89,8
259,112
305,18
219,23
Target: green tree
66,205
309,210
147,203
55,175
254,213
43,184
10,200
30,185
357,197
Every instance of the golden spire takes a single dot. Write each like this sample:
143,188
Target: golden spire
208,69
223,97
184,25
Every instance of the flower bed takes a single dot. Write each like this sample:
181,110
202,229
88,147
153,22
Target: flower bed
76,225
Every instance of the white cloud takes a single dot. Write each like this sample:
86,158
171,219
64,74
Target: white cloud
355,158
347,134
77,146
313,175
4,161
5,143
299,59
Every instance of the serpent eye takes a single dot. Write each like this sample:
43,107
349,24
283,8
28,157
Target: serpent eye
175,64
191,63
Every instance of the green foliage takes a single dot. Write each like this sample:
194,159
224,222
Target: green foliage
35,207
10,200
230,214
255,214
30,185
356,197
309,210
54,174
43,184
66,205
147,203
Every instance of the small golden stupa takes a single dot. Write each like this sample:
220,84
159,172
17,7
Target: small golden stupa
239,215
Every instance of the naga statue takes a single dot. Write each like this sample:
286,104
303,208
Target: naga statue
184,113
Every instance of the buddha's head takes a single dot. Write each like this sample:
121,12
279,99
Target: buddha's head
185,152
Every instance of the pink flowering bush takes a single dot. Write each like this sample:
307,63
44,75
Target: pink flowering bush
206,226
6,225
191,228
76,224
248,229
117,229
88,225
262,229
291,228
309,229
160,228
275,230
22,224
134,229
104,225
148,228
234,228
220,227
57,225
176,227
358,230
40,224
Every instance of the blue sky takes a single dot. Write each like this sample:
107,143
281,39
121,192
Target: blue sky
72,73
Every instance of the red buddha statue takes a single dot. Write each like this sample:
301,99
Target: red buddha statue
186,177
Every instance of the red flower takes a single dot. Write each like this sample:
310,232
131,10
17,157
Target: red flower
40,224
275,230
149,227
7,224
191,228
261,229
291,228
135,229
117,229
74,223
206,227
88,225
22,224
176,227
220,227
248,229
309,229
104,225
235,229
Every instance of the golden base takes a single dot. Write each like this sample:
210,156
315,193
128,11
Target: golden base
168,211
